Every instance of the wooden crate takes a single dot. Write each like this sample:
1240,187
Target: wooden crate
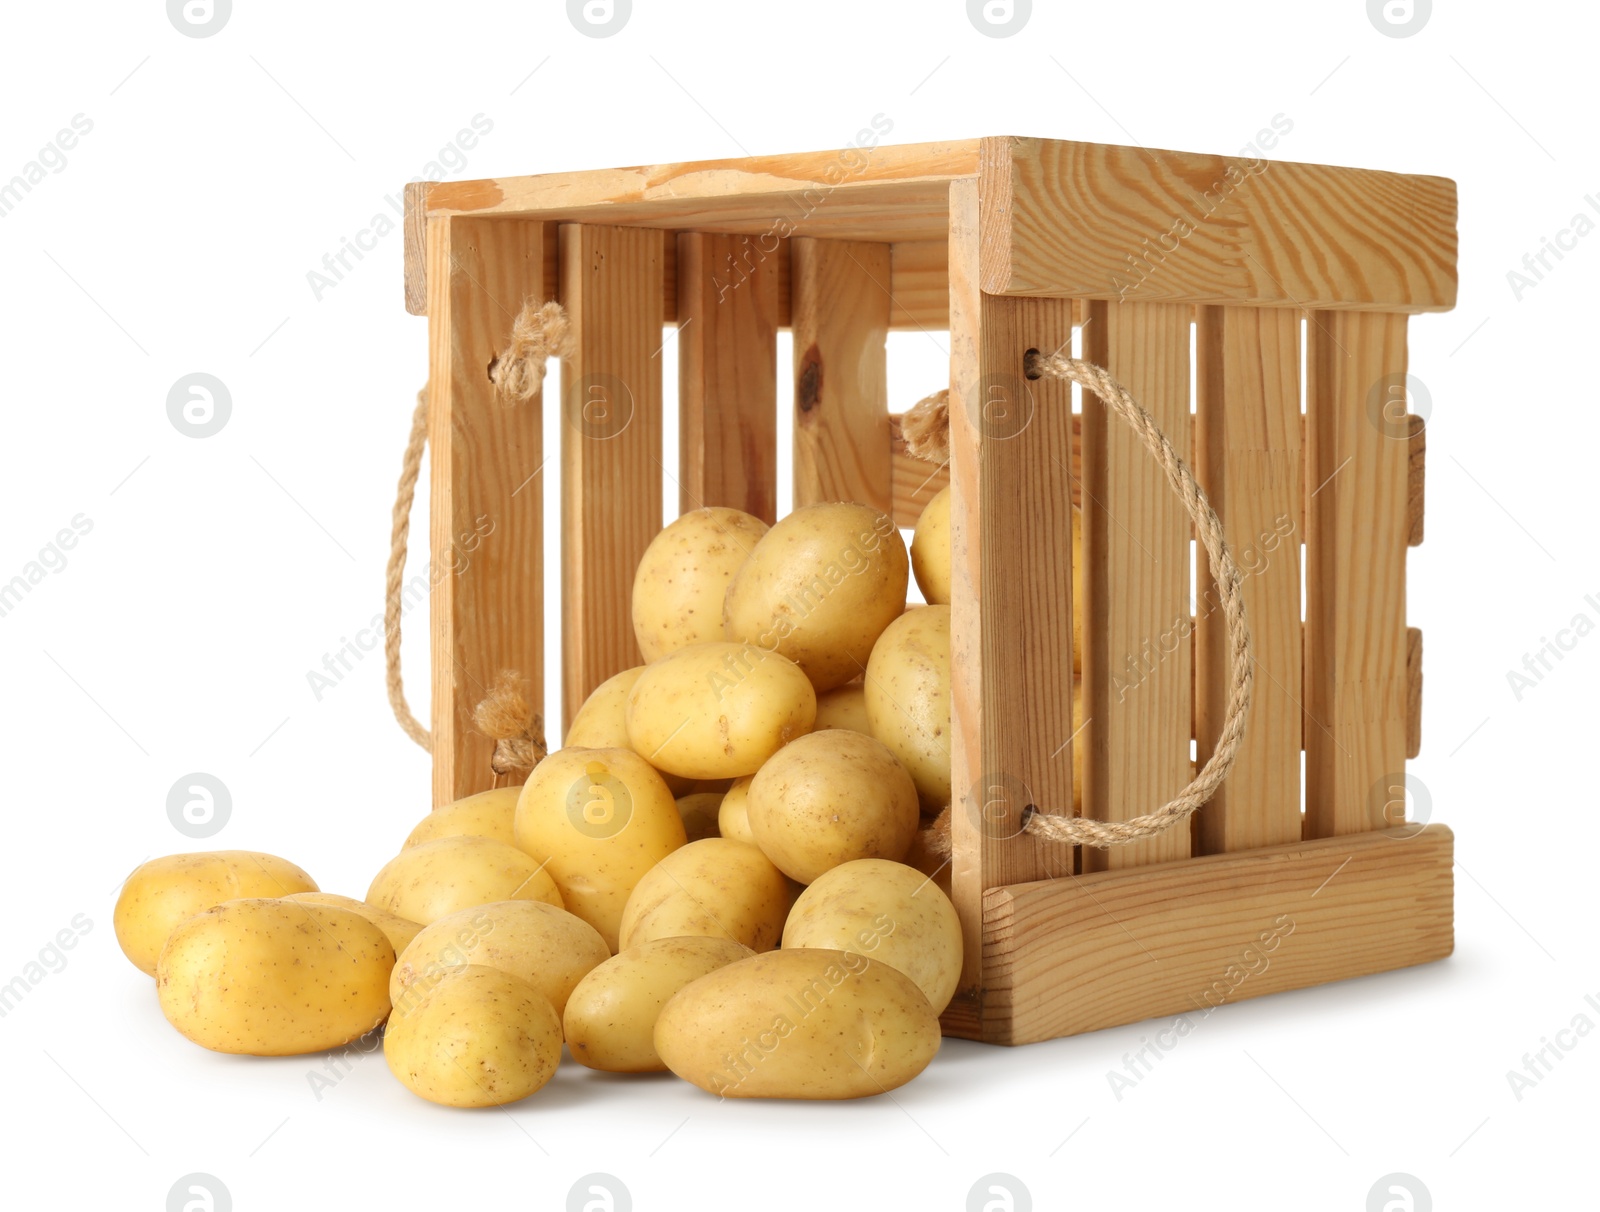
1281,277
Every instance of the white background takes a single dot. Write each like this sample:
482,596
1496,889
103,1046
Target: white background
178,636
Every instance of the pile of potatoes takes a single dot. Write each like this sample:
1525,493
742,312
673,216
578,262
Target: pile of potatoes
710,877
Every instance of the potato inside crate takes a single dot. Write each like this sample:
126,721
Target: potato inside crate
1260,282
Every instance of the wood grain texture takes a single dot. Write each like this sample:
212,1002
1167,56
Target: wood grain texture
841,393
916,481
1416,482
1413,691
727,375
1248,460
486,540
1137,662
414,250
610,445
1105,222
1011,614
1068,956
919,274
1356,531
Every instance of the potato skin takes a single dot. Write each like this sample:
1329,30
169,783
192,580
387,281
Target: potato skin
435,879
843,707
683,576
542,944
165,891
599,819
819,588
610,1018
487,814
810,1024
479,1038
908,698
602,723
733,814
699,810
718,710
398,930
274,977
713,888
829,798
930,549
888,912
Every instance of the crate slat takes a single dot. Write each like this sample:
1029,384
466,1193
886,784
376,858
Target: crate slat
1356,532
1416,486
486,519
1248,459
1137,667
1067,956
1011,617
919,272
610,444
841,394
1413,691
727,375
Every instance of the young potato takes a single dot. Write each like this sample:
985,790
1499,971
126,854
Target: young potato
274,978
733,814
479,1038
548,947
164,891
602,723
819,588
434,879
930,549
699,811
718,710
908,698
888,912
829,798
487,814
398,930
683,577
610,1019
600,818
843,707
799,1024
713,889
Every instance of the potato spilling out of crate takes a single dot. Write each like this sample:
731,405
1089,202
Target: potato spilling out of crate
759,784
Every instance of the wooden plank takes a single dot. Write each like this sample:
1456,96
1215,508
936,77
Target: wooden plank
919,273
727,375
1106,222
1137,665
882,193
1413,691
414,250
486,534
1356,530
915,481
1068,956
1248,459
1416,482
1011,615
610,445
841,394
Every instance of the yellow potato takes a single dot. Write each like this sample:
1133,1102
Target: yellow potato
684,574
714,888
164,891
274,978
799,1024
600,818
829,798
480,1038
930,549
699,812
602,723
718,710
843,707
888,912
733,814
487,814
908,698
434,879
610,1020
819,588
548,947
928,859
398,930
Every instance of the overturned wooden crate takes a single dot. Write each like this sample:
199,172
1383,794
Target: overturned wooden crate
1282,278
